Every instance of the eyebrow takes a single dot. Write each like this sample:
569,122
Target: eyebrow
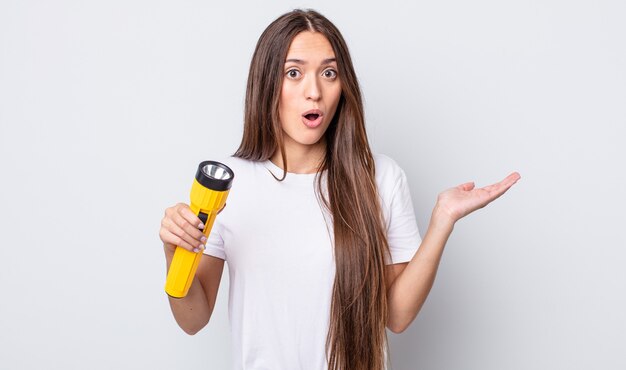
300,61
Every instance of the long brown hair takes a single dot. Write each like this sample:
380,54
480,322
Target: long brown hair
357,338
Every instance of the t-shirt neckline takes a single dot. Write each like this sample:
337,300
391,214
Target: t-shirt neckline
291,176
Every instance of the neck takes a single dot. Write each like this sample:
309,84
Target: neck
301,159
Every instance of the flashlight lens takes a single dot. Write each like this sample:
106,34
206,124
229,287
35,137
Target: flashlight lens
214,175
216,172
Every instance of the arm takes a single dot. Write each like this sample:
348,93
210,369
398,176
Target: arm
408,285
193,312
179,227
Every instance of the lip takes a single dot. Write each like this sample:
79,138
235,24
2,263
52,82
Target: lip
316,122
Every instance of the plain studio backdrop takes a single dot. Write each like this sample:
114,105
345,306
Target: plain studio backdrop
106,109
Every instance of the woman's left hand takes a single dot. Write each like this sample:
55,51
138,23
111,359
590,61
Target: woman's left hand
460,201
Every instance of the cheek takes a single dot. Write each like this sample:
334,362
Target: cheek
285,103
336,96
335,91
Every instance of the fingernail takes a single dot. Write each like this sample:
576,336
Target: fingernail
196,250
201,226
203,239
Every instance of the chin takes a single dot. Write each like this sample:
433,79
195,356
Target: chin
305,137
309,141
305,140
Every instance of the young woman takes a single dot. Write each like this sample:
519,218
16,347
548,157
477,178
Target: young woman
319,234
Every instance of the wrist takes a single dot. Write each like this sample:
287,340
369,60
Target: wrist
169,252
441,218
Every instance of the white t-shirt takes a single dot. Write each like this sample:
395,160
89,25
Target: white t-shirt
278,246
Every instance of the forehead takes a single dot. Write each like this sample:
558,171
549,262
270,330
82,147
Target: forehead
310,44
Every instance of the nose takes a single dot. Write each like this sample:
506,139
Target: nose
312,89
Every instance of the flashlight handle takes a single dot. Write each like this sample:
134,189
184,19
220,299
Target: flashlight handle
185,263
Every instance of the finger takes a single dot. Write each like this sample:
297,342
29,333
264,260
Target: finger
515,175
506,183
173,238
467,186
189,229
189,216
185,231
495,191
511,179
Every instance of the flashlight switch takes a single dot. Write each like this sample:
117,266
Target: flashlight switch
203,217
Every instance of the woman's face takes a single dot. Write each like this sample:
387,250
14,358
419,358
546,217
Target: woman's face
310,92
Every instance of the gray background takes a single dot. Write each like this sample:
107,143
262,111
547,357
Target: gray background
107,107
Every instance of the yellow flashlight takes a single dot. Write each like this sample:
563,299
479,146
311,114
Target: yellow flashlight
208,196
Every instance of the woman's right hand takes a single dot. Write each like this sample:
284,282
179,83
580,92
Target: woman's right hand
181,227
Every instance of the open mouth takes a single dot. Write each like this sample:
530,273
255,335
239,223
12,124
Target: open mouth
312,116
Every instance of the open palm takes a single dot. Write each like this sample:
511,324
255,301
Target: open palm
459,201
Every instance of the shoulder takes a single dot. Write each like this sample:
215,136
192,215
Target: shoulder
240,167
388,172
249,175
236,162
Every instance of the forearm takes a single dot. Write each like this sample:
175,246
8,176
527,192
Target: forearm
192,312
410,289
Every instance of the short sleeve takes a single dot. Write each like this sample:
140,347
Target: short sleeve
215,243
402,231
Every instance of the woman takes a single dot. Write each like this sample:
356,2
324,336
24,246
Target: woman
319,234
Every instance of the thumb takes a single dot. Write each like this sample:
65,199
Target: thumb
467,186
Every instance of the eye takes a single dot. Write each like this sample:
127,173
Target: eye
293,73
331,74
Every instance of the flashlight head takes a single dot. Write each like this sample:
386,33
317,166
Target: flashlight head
215,175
